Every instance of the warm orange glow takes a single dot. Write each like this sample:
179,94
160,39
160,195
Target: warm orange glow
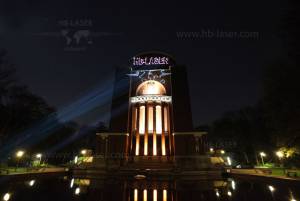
145,195
166,119
135,196
151,87
154,144
142,120
146,145
165,195
150,119
163,140
163,145
137,145
158,121
154,195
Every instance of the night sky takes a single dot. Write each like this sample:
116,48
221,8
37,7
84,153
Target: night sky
224,73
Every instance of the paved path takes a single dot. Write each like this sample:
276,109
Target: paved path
35,171
260,173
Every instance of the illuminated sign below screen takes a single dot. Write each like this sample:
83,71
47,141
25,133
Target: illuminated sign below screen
158,98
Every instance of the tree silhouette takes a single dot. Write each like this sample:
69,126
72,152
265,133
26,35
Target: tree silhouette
246,128
282,101
19,108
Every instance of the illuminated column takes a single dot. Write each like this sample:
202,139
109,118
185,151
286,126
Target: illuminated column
166,127
150,124
145,195
165,198
154,195
137,135
154,131
146,131
137,143
141,128
163,141
135,195
158,122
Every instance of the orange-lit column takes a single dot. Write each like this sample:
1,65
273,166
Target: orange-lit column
137,135
154,131
145,195
141,126
135,195
146,131
154,194
166,124
158,121
165,195
163,141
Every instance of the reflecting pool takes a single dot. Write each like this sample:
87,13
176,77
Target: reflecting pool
144,189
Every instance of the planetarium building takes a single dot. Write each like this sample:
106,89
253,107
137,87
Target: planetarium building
151,120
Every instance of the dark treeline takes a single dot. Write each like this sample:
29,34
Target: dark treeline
20,110
274,122
271,124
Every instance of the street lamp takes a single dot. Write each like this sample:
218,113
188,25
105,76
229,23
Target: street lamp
19,155
83,152
39,156
211,150
222,151
280,154
262,155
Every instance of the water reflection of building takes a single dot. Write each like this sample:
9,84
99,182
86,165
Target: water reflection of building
151,115
37,187
154,190
149,190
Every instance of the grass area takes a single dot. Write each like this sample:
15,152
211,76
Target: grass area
280,171
9,170
13,170
283,172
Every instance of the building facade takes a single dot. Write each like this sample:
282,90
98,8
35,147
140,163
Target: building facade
151,114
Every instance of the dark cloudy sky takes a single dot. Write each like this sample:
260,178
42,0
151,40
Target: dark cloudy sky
224,73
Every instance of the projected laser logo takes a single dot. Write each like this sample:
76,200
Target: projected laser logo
145,75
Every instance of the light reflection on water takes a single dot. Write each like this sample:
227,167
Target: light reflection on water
154,189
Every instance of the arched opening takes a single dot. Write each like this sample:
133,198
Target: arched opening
150,87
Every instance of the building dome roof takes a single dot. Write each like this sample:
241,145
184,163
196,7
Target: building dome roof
151,87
